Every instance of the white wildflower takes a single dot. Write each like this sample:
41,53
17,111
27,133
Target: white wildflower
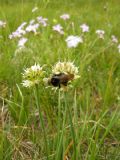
22,42
22,26
100,33
20,31
114,39
58,28
67,68
32,75
15,34
62,74
32,21
73,41
2,24
34,9
32,28
85,28
65,16
42,21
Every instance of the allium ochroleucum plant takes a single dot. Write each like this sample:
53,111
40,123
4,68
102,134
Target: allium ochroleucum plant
63,74
32,77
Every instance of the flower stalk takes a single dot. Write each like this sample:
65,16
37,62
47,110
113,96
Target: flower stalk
71,125
37,100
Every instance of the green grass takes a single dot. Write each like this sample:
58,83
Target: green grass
41,124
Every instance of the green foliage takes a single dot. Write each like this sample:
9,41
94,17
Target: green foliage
84,123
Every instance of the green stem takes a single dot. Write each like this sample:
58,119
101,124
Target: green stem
41,119
71,126
59,111
61,130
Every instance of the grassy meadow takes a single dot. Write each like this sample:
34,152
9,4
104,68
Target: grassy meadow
80,123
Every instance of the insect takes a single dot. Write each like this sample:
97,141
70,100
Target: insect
60,79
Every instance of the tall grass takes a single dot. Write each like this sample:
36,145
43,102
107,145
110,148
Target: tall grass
81,124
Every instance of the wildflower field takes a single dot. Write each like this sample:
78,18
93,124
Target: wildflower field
59,80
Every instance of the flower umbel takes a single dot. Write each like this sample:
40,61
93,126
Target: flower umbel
66,68
63,73
33,75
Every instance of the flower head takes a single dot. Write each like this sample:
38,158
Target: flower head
42,21
100,33
15,34
65,67
22,42
85,28
73,41
19,31
32,28
114,39
62,74
2,24
32,75
34,9
58,28
65,16
32,21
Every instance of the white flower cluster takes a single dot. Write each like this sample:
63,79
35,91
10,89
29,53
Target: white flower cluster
32,26
24,28
66,68
35,74
32,75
